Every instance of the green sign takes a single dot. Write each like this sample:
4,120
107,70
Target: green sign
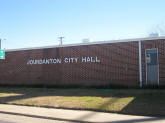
2,54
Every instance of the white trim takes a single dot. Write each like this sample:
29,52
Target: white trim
140,65
158,64
91,43
157,61
146,65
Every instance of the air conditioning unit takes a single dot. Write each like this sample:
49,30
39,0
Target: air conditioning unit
154,35
86,40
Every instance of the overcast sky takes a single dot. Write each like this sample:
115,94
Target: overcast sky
32,23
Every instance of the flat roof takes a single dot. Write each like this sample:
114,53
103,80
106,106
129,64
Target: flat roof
90,43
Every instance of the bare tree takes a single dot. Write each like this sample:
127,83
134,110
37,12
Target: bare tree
158,30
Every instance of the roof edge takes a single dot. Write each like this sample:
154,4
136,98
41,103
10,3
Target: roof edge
90,43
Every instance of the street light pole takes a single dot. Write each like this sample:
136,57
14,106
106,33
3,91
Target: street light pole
0,44
61,40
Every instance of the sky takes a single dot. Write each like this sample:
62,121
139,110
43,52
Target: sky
35,23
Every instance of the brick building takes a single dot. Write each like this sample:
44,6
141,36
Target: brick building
133,62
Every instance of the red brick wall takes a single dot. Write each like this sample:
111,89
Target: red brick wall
118,65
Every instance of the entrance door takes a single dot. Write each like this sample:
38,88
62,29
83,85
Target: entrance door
152,77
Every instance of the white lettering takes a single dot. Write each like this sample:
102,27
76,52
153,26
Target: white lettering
65,60
76,59
88,59
83,59
97,60
56,61
47,61
70,60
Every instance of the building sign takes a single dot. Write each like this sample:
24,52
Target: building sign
64,60
2,54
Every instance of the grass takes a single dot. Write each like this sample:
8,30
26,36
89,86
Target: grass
126,101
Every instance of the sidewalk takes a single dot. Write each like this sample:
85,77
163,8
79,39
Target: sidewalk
75,115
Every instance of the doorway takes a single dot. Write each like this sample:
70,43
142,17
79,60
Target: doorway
152,67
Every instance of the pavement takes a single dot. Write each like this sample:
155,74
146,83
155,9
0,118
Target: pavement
27,114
